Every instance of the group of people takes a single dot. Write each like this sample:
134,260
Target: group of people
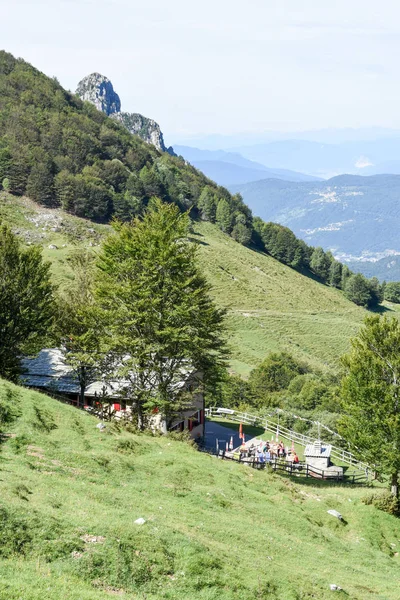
265,452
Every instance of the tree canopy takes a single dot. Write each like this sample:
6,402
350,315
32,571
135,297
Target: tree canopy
26,302
370,394
157,305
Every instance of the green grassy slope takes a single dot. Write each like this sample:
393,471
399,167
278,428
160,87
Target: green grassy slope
271,307
214,530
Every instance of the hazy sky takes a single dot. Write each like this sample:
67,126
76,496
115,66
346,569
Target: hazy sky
223,66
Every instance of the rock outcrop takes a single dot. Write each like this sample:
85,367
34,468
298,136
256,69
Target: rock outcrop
145,128
98,90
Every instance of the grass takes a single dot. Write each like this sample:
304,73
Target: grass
214,530
270,306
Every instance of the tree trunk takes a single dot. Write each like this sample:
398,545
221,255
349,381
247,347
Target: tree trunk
395,484
81,400
140,420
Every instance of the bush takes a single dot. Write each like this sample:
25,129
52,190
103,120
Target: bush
392,292
384,501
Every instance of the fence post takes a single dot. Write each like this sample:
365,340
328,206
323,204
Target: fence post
306,470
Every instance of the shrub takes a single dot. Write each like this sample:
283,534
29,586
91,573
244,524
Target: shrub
384,501
392,291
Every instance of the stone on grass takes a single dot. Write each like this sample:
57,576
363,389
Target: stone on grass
335,513
334,587
140,521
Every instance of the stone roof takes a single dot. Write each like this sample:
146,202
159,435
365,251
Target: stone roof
318,450
48,370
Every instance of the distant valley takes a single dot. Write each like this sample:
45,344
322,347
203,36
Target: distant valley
358,218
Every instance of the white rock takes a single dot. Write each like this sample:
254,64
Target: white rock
100,426
53,247
140,521
335,513
334,587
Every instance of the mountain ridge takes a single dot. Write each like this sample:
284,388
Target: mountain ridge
229,168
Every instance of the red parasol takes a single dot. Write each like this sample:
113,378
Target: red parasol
241,431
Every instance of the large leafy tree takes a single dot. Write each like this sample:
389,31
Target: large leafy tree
370,394
26,302
320,263
161,318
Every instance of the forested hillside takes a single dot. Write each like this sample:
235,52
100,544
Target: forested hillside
62,152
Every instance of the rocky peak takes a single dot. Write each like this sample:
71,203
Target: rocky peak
98,90
145,128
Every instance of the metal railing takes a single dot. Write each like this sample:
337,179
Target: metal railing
285,433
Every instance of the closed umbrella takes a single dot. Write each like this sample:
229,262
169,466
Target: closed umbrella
231,443
226,447
241,431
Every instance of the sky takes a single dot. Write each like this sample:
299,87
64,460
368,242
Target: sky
223,66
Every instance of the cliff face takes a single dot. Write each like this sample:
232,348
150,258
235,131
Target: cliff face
98,90
145,128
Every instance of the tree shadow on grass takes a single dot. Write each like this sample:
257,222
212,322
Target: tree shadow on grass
380,310
196,241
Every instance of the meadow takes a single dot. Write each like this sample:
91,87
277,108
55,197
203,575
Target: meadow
70,496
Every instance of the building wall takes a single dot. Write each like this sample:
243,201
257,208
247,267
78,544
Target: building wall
317,462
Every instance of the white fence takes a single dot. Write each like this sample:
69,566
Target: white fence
285,433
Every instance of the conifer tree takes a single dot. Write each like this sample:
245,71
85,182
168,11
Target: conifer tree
224,216
40,184
26,302
160,317
207,204
370,395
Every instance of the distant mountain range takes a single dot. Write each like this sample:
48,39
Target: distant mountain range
230,168
326,136
358,157
385,269
357,217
